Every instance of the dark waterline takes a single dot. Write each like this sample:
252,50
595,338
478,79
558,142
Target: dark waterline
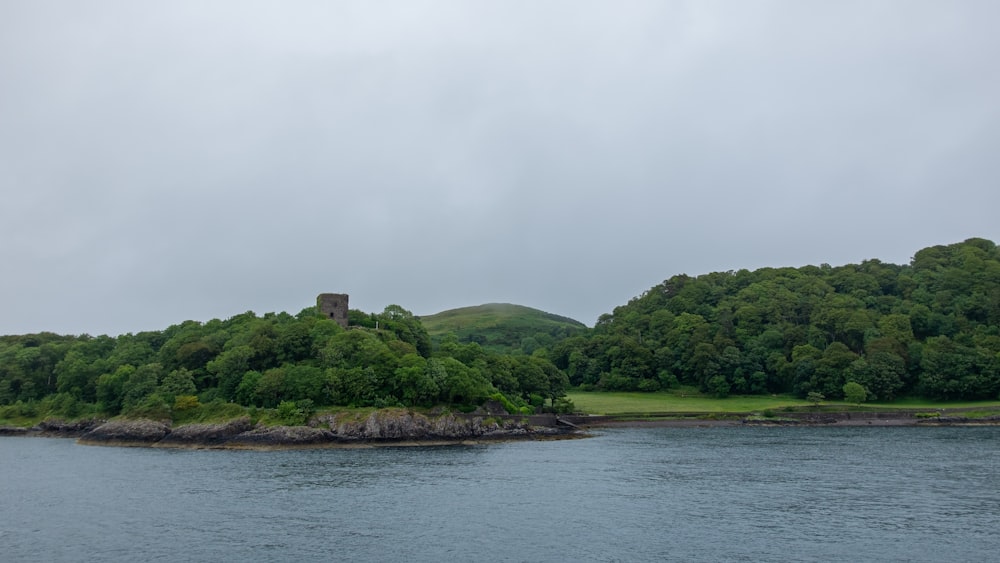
706,494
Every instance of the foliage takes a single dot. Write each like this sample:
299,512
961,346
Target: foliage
295,413
930,328
855,393
293,364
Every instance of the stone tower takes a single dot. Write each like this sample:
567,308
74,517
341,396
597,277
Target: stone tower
333,306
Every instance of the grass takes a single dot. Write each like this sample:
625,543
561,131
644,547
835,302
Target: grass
690,401
493,315
919,403
499,327
637,403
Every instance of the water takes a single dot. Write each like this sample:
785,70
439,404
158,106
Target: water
706,494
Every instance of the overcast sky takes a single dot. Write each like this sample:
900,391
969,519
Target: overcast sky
164,161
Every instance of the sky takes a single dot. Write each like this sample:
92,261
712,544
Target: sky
167,161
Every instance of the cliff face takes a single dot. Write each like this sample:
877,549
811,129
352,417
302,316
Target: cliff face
383,426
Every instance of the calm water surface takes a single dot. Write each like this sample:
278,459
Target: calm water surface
711,494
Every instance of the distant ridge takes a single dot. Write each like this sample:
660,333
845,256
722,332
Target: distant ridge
501,326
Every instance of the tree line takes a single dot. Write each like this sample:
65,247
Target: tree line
383,359
930,328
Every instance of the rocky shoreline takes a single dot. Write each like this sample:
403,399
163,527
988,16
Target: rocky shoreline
385,427
395,427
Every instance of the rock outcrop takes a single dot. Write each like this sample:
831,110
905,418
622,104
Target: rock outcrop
207,434
405,425
61,428
137,432
386,426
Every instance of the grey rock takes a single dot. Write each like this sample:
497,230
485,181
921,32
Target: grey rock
139,432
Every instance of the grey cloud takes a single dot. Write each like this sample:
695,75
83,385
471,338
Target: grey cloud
562,155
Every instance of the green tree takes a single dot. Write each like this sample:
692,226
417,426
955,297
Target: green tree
140,384
176,383
855,393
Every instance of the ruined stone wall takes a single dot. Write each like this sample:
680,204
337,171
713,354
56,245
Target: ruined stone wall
333,306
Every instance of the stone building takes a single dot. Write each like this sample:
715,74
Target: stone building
333,306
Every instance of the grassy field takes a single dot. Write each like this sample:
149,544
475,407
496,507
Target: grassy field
498,327
681,402
637,403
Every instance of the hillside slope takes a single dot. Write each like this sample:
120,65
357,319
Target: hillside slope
929,328
501,326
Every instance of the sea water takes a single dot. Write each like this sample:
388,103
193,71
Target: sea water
640,494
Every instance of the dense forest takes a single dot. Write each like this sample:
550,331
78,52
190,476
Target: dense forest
296,362
930,328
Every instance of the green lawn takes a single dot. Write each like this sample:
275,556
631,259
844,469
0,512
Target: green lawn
637,403
663,402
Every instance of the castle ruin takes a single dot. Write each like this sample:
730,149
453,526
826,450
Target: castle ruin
333,306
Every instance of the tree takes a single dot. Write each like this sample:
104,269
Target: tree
815,398
229,367
140,384
176,383
855,393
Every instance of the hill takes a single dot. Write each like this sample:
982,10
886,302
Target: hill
501,327
930,328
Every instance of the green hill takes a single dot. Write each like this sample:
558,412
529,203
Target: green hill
501,327
930,328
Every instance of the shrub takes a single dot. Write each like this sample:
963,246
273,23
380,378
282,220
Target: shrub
186,402
508,406
854,392
564,405
667,379
153,407
218,410
289,413
649,385
384,402
719,386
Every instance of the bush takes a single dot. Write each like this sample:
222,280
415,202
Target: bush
855,393
295,413
27,410
649,385
289,413
186,402
719,386
564,406
508,406
384,402
217,410
667,380
153,407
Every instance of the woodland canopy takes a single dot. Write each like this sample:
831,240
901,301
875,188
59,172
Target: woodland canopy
930,328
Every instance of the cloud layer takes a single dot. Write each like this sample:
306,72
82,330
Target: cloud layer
172,161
